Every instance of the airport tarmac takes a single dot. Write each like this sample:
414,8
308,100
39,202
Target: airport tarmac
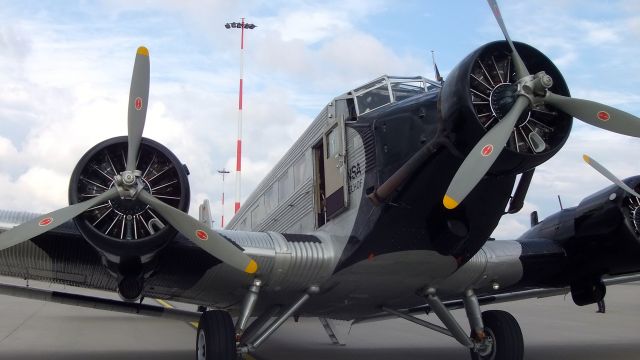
553,328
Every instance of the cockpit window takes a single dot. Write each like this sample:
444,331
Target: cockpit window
373,98
406,90
389,89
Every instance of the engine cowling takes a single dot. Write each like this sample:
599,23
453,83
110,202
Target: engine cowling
481,88
127,232
600,236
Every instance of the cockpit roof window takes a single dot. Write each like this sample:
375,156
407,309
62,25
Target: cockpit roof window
389,89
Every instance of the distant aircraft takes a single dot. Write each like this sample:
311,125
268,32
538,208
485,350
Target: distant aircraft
382,208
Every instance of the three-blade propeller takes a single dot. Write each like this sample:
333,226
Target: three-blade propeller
128,186
138,98
606,173
531,88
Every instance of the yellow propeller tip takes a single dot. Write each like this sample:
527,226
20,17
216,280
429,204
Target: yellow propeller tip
143,51
252,267
586,158
449,203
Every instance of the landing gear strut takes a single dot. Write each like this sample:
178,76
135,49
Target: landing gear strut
495,334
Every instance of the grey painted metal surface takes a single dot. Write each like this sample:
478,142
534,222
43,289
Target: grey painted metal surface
496,262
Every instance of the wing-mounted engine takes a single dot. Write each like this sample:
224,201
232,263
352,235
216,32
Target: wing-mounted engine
606,241
127,232
480,91
601,236
128,198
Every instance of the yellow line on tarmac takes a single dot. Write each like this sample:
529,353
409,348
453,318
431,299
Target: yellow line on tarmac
169,306
164,303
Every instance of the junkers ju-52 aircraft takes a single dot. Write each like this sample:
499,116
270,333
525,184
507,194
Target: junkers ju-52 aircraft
382,208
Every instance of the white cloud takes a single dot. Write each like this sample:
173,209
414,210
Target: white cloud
64,86
599,32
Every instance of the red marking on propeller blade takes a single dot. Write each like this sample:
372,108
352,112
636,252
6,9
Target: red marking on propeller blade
202,235
496,10
45,221
487,150
138,103
603,116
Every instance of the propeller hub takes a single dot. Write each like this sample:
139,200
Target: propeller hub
128,206
129,177
129,184
546,80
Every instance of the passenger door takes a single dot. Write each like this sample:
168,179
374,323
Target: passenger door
335,173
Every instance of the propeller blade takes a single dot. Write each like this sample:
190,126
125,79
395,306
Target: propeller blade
138,99
596,114
201,235
44,223
606,173
521,69
482,156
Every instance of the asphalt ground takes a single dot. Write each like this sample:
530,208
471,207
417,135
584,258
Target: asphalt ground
553,328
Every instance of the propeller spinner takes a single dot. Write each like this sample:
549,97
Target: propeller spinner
531,90
129,185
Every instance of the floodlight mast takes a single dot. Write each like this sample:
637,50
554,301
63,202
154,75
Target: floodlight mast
242,26
222,172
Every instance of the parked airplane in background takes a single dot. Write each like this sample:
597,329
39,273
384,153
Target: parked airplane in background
382,208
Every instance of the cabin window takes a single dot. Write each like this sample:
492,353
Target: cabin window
301,171
332,143
271,198
257,213
285,186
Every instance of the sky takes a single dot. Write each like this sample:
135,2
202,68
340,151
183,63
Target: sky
65,70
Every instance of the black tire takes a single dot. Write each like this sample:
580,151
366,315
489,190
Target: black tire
216,339
508,343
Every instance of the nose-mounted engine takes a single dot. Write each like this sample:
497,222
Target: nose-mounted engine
127,232
482,89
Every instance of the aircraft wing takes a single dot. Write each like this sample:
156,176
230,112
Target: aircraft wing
62,255
183,271
501,297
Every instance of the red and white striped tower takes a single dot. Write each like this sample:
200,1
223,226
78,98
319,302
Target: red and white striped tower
242,26
223,172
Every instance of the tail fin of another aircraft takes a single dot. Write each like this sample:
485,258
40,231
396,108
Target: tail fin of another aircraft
205,213
435,68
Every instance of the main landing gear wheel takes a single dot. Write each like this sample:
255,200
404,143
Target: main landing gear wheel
216,336
506,337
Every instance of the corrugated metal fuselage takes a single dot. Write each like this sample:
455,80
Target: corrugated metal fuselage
361,256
